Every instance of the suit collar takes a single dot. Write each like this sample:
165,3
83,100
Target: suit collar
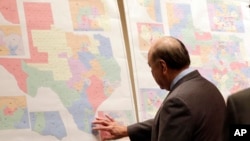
187,77
180,76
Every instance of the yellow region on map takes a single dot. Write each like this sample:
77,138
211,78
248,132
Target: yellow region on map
54,43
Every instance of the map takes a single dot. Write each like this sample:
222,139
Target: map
216,34
62,63
88,15
11,41
58,70
153,9
220,57
151,100
48,123
14,113
122,117
225,18
149,33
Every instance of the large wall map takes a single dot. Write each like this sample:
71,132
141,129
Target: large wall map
61,63
216,34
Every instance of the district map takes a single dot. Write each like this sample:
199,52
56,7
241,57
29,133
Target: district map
216,34
63,59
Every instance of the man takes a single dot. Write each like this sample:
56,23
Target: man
238,107
194,109
238,110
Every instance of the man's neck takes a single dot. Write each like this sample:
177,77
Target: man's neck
178,75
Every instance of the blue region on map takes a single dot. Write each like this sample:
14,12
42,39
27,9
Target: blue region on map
105,46
48,123
54,125
85,58
82,113
24,121
158,11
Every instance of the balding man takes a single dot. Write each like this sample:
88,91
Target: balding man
194,109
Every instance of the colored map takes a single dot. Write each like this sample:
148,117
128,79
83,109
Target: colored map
150,100
48,123
219,57
225,18
216,34
180,23
122,117
148,33
153,9
88,15
11,41
70,58
14,113
64,62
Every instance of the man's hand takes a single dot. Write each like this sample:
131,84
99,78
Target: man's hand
112,129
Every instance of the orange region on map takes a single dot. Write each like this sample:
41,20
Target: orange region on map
11,104
75,42
151,9
96,69
10,29
172,20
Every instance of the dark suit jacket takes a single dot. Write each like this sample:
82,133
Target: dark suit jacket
194,110
238,109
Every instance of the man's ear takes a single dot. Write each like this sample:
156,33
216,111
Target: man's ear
163,65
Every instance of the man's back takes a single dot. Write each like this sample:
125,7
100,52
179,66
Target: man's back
193,111
238,111
238,107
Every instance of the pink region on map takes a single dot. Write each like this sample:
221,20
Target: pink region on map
203,36
15,68
95,92
8,111
38,17
238,65
8,8
220,72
